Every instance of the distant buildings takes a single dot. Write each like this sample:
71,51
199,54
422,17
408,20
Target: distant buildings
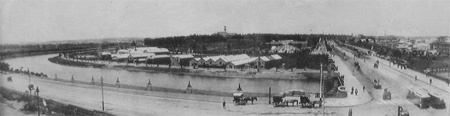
320,49
442,45
224,33
421,47
284,49
235,61
285,46
139,53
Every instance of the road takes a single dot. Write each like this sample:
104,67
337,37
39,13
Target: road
125,102
395,80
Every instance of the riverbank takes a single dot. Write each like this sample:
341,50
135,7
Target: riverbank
59,60
290,74
27,104
150,87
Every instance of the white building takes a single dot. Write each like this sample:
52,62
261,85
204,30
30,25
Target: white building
284,49
421,46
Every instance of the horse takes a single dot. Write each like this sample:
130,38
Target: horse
277,100
250,99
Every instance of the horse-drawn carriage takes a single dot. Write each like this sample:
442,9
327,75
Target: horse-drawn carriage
239,99
376,84
295,97
357,66
386,95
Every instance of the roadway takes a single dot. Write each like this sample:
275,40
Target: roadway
395,80
127,102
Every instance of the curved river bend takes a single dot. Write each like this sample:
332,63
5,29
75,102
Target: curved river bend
41,64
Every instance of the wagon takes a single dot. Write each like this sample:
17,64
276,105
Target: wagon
238,99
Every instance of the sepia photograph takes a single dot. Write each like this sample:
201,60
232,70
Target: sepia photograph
224,57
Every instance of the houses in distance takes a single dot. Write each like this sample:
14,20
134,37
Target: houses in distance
155,55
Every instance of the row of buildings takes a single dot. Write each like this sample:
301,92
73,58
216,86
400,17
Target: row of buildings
237,61
155,55
441,45
431,45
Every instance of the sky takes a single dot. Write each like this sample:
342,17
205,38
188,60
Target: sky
49,20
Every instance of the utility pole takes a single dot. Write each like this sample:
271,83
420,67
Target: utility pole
103,99
270,93
37,93
29,77
321,92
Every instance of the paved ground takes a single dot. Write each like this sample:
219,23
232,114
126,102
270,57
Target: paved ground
397,81
412,74
350,82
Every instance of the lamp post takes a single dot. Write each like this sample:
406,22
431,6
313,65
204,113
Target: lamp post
37,93
29,77
321,92
103,99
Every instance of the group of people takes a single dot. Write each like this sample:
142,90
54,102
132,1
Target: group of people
356,90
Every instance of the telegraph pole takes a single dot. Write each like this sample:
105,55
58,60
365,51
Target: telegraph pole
37,93
103,99
29,77
320,87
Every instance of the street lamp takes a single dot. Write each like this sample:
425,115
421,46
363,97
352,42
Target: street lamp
103,99
37,93
320,87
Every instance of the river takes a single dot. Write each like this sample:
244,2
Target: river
40,63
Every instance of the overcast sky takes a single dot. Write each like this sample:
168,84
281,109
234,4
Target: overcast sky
47,20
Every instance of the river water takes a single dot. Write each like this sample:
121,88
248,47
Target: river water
41,64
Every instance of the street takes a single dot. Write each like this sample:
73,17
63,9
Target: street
394,80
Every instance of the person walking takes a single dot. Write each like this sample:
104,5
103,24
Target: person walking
224,103
356,92
364,88
415,77
431,81
352,91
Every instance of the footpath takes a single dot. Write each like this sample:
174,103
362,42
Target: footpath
350,82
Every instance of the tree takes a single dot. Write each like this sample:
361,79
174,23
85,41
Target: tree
133,43
4,66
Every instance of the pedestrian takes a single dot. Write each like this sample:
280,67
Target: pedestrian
431,81
415,77
364,88
356,91
224,104
352,91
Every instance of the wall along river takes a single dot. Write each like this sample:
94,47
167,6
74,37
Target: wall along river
159,79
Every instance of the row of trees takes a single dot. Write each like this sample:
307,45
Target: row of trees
304,59
253,44
239,42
